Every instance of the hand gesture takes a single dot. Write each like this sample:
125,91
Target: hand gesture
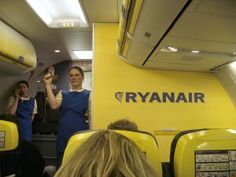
18,93
47,79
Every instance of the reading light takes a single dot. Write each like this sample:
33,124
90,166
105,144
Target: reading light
169,49
57,51
83,54
233,65
172,49
59,13
195,51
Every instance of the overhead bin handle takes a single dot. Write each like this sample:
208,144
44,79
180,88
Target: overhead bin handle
21,59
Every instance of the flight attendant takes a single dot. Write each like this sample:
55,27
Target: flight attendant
74,108
24,108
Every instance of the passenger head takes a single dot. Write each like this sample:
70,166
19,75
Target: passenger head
107,154
123,124
22,87
76,77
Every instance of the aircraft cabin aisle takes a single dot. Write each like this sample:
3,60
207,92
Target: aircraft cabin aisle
168,66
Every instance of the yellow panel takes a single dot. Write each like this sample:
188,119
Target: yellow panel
148,144
8,136
198,149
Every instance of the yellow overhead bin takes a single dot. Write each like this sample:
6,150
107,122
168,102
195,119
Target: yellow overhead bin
17,54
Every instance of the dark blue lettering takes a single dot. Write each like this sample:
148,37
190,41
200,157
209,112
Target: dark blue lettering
171,97
131,96
143,97
199,97
190,97
154,97
181,97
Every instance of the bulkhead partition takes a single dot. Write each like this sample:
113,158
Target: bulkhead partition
206,153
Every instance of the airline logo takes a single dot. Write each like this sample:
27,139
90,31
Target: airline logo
162,97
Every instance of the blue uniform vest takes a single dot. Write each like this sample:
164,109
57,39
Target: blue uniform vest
24,113
73,109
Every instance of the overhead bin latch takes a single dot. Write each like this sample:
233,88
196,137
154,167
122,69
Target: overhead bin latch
21,59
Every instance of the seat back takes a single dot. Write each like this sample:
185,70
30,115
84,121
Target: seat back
145,141
205,153
8,136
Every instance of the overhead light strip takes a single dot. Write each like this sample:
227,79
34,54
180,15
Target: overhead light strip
59,13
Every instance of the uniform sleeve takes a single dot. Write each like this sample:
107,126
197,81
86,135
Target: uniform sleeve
11,101
59,96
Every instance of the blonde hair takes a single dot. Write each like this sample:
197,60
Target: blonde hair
107,154
123,124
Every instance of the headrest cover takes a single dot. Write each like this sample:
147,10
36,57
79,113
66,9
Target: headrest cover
8,136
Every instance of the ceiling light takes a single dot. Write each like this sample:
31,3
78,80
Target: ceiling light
86,55
233,65
169,49
59,13
172,49
195,51
57,51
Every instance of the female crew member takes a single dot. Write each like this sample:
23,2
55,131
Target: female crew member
24,107
74,107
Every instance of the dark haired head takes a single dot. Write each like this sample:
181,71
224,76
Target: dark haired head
77,68
23,82
123,124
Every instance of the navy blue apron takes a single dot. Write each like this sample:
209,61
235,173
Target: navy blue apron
73,109
24,113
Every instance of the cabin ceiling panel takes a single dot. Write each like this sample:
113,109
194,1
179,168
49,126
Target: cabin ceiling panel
207,26
155,19
99,11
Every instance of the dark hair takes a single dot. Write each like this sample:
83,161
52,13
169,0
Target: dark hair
77,68
30,160
123,124
23,82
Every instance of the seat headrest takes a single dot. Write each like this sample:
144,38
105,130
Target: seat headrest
205,153
173,146
8,136
145,141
